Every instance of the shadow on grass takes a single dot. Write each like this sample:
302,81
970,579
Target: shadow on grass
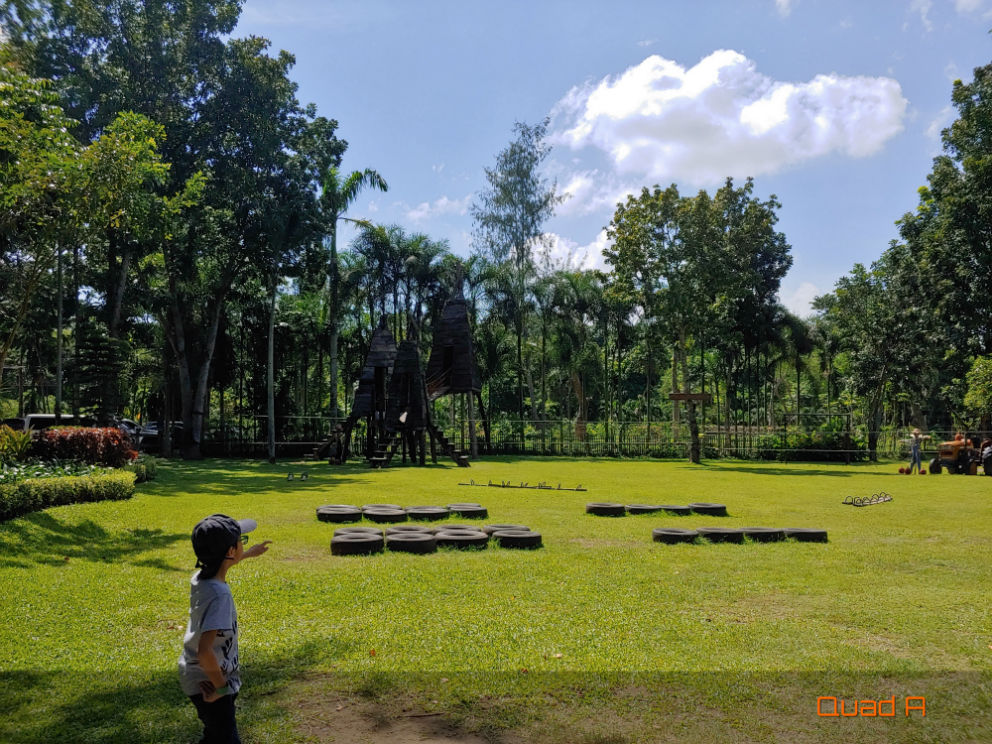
41,538
638,707
41,707
232,477
839,470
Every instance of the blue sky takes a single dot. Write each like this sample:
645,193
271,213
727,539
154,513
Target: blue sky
834,107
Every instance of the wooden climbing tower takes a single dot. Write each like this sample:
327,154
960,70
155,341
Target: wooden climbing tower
370,398
451,369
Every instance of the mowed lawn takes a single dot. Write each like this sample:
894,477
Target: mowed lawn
602,636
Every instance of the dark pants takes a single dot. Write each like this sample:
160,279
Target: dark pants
219,726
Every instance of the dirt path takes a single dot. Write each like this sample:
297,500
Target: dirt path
347,722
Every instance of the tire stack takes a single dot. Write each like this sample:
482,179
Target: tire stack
613,509
736,535
421,538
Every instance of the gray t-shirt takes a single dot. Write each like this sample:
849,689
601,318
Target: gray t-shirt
211,607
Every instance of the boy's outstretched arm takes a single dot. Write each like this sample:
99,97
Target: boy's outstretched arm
256,550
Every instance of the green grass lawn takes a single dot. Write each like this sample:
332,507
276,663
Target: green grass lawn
602,636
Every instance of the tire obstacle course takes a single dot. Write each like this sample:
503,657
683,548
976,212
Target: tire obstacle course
611,509
675,535
737,535
420,538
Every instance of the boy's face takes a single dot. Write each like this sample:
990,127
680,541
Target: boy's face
234,553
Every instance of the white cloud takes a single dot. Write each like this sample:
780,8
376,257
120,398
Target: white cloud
591,191
644,43
784,7
974,6
444,205
437,168
559,252
923,8
722,118
800,302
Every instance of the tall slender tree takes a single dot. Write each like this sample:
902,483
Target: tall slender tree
339,192
509,213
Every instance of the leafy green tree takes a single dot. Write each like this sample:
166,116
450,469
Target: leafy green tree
949,241
978,399
508,215
338,192
38,160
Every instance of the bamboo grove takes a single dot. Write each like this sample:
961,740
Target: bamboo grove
169,218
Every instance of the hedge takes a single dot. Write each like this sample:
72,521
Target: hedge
144,469
94,446
40,493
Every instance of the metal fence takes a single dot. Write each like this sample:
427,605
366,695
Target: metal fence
298,435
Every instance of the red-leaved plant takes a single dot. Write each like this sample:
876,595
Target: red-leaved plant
94,446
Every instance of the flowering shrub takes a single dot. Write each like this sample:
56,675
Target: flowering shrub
109,446
27,470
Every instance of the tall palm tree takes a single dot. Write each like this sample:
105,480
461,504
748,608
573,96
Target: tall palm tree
338,193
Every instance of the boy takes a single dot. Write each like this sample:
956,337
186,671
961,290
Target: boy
208,666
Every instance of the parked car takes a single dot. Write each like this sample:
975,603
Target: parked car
40,421
132,428
150,437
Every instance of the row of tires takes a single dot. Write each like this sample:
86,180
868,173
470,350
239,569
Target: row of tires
394,514
416,539
609,509
672,535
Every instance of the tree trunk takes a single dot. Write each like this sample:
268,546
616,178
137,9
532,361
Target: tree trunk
694,453
117,309
58,363
580,419
472,438
532,392
270,407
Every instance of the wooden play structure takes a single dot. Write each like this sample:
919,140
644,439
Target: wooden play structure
394,396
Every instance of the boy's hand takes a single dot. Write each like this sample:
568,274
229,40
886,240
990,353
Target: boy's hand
209,691
256,550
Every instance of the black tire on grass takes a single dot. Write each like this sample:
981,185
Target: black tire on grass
339,515
764,534
357,543
358,531
713,510
427,513
682,510
462,539
376,507
805,534
722,534
412,542
462,503
517,539
385,516
458,528
469,512
606,509
489,529
405,528
673,535
642,509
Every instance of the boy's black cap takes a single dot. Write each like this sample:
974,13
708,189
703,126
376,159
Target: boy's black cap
213,535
